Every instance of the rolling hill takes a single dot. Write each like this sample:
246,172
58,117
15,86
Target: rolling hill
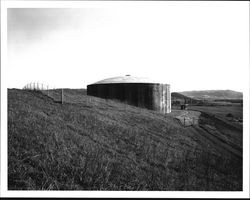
178,98
89,143
213,94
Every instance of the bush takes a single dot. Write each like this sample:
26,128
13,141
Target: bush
229,115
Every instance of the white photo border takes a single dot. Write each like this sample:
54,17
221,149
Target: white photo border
135,194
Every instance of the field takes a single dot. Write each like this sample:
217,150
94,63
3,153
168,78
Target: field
231,114
88,143
221,111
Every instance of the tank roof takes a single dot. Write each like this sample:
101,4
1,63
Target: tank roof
127,79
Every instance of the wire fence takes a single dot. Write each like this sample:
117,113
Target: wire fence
56,94
37,86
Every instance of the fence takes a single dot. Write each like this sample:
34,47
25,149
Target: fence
36,86
56,94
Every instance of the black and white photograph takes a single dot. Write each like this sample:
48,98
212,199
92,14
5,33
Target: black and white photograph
125,98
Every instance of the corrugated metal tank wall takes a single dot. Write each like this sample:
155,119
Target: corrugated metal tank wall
162,98
146,95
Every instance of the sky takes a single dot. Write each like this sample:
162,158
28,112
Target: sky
189,45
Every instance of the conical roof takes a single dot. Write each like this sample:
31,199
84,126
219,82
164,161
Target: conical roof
126,79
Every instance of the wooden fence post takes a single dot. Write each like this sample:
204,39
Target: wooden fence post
62,96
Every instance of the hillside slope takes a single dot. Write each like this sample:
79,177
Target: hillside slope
89,143
178,98
213,94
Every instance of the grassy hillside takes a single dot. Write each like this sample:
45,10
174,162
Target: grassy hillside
89,143
213,94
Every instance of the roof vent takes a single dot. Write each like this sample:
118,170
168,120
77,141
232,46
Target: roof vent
128,75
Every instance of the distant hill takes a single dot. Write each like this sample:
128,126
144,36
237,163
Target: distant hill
213,94
178,98
177,95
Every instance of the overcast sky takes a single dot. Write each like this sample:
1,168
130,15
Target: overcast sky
190,45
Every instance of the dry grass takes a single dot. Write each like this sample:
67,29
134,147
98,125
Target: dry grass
94,144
